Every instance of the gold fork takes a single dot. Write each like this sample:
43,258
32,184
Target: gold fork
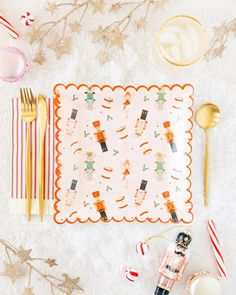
28,114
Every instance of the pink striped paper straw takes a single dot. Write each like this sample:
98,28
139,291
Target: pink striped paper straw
4,23
216,248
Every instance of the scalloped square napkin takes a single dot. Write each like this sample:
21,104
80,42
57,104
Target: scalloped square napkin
123,153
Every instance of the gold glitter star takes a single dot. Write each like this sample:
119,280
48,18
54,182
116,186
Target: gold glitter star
12,271
39,58
159,4
218,52
24,254
61,46
75,27
51,7
70,284
51,262
140,23
103,57
28,291
99,35
219,31
98,6
116,38
115,7
35,35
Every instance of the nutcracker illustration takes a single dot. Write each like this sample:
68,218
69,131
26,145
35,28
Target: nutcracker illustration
89,169
140,193
71,193
126,103
159,166
100,205
89,99
141,123
170,206
71,122
170,136
174,263
100,136
160,101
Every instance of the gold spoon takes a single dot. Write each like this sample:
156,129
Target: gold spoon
207,116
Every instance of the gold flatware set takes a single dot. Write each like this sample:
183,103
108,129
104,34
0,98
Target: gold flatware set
30,110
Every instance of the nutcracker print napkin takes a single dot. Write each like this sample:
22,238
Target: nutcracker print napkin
123,153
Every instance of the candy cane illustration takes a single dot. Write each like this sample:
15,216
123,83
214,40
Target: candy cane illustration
4,23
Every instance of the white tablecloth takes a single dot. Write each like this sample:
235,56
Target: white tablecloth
100,252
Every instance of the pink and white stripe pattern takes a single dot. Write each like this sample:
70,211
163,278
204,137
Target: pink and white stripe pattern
216,248
18,160
8,27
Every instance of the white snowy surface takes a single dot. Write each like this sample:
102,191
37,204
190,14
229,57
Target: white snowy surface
99,253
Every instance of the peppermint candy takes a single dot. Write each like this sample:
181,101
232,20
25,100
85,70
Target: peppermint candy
131,275
27,19
142,248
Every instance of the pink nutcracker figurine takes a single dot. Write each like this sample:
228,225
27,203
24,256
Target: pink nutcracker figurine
173,263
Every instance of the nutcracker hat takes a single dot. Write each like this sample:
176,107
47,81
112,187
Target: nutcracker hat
184,239
96,194
96,124
166,124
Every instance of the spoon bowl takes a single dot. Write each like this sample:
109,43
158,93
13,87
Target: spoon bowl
208,115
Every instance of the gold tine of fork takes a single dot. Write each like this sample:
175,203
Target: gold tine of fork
33,100
22,100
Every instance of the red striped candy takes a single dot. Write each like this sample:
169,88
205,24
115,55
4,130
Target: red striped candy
131,275
142,248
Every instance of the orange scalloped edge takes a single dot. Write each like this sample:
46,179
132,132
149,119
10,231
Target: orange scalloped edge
58,153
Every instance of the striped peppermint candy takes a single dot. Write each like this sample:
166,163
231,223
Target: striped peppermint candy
216,248
4,23
142,248
131,275
27,19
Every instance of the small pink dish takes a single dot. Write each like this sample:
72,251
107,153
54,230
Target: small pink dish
13,64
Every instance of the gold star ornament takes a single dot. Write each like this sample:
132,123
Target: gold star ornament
98,6
99,35
28,291
140,23
61,46
24,254
75,27
70,284
116,38
35,35
51,262
51,7
115,7
39,58
12,271
103,57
